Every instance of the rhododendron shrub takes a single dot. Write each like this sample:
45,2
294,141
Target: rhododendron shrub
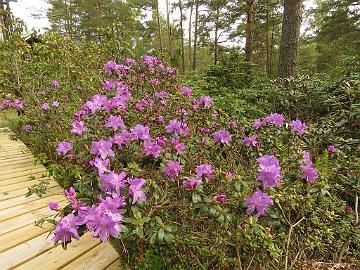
164,173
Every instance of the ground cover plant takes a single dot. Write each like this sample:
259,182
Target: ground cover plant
173,183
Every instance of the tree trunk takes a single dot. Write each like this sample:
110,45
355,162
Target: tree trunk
159,26
190,21
216,36
182,37
248,30
289,45
195,33
267,43
169,28
5,20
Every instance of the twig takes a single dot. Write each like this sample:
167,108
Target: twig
292,226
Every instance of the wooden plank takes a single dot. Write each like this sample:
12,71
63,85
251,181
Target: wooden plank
19,155
22,199
26,219
22,235
114,266
25,251
8,188
23,178
19,168
23,173
27,207
7,195
21,163
56,258
16,160
99,257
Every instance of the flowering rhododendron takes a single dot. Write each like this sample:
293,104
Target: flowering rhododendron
45,106
64,147
154,164
298,127
332,149
259,201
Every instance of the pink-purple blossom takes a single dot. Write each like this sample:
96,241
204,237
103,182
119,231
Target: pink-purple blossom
114,122
275,119
204,170
102,148
259,201
112,181
333,149
269,169
222,136
251,141
66,229
172,169
309,172
140,132
78,128
64,147
45,106
152,148
298,127
191,182
221,198
175,127
136,190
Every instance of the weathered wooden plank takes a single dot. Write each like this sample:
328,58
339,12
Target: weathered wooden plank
23,173
22,199
8,188
57,258
22,235
114,266
27,207
19,168
99,257
22,178
7,195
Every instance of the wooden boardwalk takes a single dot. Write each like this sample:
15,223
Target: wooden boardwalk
28,247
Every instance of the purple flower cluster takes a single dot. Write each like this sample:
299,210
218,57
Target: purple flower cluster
298,127
16,104
269,169
309,172
259,201
222,136
251,141
64,147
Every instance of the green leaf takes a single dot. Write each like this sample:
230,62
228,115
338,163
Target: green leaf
161,234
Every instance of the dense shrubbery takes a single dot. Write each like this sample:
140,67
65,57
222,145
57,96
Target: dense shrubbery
181,183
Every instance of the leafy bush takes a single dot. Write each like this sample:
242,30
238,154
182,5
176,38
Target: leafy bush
161,174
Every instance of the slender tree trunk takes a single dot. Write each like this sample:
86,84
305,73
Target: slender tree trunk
169,28
190,35
4,26
216,36
248,30
159,26
182,37
267,43
289,44
195,33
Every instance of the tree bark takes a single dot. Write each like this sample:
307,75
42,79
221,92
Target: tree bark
159,27
195,33
267,43
289,44
182,37
190,41
5,20
169,28
216,36
248,30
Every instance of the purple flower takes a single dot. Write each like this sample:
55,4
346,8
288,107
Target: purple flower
221,198
114,122
172,169
112,181
222,136
204,170
45,106
66,229
140,132
101,165
78,128
54,83
102,223
251,141
259,201
161,95
54,206
18,105
269,169
175,127
186,91
298,127
332,149
152,149
26,128
55,104
103,149
179,146
121,139
108,85
154,81
310,173
205,101
110,66
191,182
136,191
275,119
64,147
